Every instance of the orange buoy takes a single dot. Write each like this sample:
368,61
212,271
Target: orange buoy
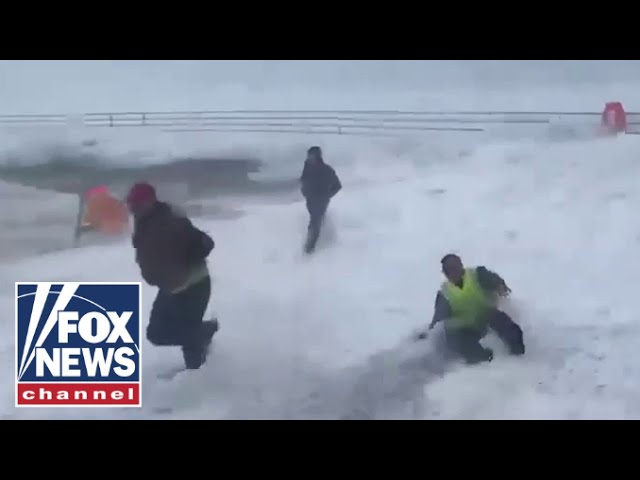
104,213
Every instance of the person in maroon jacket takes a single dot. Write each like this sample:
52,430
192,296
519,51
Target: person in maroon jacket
171,254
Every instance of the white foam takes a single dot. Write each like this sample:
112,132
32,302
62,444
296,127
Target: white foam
326,337
553,220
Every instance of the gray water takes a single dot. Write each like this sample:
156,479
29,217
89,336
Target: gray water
40,215
44,199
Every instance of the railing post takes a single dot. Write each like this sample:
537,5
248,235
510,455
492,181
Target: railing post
144,119
111,120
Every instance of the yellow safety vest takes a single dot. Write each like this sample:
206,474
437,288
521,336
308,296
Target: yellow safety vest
469,304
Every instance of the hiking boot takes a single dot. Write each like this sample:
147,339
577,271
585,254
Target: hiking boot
194,358
209,329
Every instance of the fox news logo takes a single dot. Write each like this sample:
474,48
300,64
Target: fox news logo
78,344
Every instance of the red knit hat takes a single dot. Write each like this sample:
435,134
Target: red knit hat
141,193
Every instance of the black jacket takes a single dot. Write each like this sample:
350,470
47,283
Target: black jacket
488,280
319,181
168,246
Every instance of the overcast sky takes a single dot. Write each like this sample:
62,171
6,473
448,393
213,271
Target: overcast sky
52,86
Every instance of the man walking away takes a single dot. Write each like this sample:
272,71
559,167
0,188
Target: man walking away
172,254
319,184
467,304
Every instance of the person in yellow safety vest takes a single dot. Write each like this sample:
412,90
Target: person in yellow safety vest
467,304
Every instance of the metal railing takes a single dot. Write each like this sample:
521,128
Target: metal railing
353,122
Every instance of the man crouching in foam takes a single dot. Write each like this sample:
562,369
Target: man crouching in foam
467,303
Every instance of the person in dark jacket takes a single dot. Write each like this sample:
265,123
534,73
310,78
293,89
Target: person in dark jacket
467,304
319,184
171,254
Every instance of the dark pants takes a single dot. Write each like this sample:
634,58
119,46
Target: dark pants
176,320
466,342
317,208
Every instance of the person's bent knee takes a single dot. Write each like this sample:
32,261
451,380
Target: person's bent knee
466,343
509,331
483,354
152,336
157,337
499,320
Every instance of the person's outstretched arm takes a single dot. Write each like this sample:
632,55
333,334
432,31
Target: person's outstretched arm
441,310
491,281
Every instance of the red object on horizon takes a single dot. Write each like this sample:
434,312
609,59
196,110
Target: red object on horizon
614,118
